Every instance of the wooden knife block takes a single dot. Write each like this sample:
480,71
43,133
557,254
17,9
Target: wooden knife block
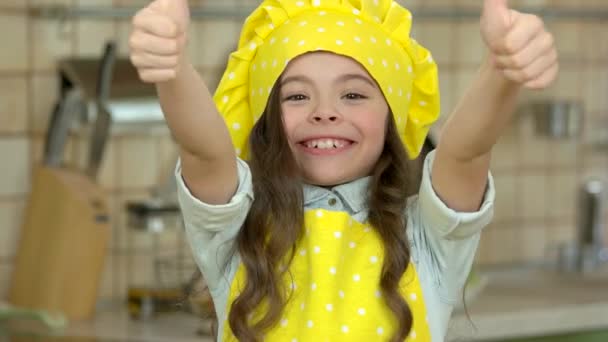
62,246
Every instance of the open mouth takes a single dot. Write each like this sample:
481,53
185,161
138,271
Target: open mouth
326,145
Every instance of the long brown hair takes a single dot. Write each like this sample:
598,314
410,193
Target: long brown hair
275,220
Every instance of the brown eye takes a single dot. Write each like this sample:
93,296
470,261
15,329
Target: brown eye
296,97
354,96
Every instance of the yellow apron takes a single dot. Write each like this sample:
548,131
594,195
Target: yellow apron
336,295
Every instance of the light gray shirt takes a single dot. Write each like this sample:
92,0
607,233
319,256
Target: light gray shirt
443,242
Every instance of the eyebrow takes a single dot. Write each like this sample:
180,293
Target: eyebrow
341,79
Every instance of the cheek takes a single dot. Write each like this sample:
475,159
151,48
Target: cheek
375,125
288,125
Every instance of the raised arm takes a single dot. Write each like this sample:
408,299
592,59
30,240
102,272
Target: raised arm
158,51
521,54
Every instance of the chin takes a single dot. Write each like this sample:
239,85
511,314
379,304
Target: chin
327,180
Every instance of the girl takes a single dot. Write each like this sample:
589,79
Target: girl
319,236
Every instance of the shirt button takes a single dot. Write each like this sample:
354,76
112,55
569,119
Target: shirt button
332,201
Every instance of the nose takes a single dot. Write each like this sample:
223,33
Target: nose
320,117
325,114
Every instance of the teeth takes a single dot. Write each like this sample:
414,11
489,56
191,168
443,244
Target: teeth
325,143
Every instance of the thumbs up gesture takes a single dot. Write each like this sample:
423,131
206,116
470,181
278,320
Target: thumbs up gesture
520,46
158,39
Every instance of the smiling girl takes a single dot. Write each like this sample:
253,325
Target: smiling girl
319,235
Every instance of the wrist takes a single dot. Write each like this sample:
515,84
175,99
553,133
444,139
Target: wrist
491,72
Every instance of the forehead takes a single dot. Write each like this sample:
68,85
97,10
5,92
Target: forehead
324,63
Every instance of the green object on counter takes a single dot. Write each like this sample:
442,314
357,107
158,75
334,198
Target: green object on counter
52,321
591,336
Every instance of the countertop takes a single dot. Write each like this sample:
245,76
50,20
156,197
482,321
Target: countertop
533,302
112,323
514,304
115,324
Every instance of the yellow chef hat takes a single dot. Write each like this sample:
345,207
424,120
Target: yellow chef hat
375,33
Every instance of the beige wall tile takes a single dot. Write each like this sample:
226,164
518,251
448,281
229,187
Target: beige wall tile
568,39
52,41
11,4
13,104
446,93
470,49
533,195
113,209
123,30
137,3
463,77
564,153
140,270
505,154
43,97
533,149
506,205
114,278
499,246
138,162
594,86
526,3
562,191
13,34
431,3
106,286
559,235
214,48
92,37
211,77
532,242
168,155
593,41
593,156
84,3
15,154
11,219
50,2
438,37
567,85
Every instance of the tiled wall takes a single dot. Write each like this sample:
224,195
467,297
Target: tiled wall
536,178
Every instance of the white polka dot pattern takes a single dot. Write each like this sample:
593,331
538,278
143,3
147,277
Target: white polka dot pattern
335,298
376,35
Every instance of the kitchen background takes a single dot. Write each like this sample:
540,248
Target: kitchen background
537,178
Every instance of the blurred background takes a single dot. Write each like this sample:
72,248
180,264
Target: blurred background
557,142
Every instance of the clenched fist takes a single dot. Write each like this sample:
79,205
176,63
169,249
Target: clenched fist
158,39
520,45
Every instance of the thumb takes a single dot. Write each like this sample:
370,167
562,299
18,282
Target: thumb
495,19
177,10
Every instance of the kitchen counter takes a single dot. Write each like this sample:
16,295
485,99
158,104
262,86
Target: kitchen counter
514,304
532,302
115,324
112,323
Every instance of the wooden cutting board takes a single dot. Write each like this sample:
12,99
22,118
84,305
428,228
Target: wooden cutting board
62,245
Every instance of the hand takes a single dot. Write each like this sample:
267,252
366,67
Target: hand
519,44
158,39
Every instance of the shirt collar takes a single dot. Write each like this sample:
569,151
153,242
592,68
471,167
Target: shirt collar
353,193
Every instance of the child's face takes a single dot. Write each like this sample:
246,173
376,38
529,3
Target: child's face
334,116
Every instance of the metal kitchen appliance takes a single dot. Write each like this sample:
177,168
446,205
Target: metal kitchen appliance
556,119
165,286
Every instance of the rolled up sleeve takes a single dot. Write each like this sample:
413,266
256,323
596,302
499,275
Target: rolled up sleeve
212,229
446,240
